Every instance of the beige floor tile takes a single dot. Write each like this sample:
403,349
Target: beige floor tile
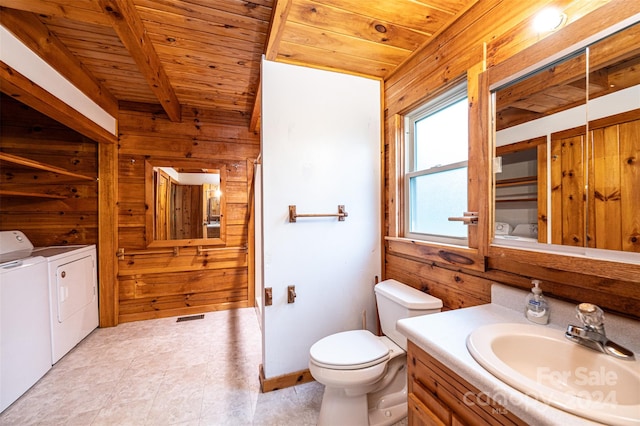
163,372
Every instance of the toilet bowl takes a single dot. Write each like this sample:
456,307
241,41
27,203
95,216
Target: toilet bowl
365,375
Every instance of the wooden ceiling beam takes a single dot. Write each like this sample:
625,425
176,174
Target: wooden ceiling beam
281,10
129,27
256,112
34,34
279,15
17,86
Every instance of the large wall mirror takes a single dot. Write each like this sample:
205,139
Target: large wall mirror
567,152
185,203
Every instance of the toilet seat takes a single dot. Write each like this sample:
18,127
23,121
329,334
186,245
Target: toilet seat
349,350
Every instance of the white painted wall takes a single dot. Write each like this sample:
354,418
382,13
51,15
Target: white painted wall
321,144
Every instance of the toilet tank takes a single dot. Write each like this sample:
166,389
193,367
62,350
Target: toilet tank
396,301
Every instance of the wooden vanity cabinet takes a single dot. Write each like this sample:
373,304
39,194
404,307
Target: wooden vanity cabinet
438,396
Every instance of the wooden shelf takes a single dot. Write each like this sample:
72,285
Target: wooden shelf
14,159
526,180
515,200
31,194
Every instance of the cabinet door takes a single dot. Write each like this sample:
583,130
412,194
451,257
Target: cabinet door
420,414
613,195
568,190
605,215
438,396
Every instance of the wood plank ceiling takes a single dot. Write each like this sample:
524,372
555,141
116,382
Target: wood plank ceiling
205,54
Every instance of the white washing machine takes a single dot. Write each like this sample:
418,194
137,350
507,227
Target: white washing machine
73,295
25,336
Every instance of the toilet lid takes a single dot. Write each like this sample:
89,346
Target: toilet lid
349,350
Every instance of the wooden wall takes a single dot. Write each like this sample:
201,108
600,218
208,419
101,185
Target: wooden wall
486,35
160,285
151,286
30,134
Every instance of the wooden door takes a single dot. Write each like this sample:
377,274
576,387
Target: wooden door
614,197
567,188
595,201
163,194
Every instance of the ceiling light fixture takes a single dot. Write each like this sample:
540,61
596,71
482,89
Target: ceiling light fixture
548,20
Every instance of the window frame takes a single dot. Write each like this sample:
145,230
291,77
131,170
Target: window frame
451,96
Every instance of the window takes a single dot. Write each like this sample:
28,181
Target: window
437,146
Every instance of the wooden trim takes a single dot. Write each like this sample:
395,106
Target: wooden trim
615,119
478,178
569,133
569,263
459,257
396,177
35,35
150,237
108,234
520,146
191,310
251,237
129,27
541,177
382,178
284,381
16,85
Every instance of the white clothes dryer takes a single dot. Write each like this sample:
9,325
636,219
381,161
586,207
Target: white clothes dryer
73,295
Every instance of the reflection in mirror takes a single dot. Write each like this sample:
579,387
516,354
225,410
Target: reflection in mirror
613,167
567,146
527,111
188,205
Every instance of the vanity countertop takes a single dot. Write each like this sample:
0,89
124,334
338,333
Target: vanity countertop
444,336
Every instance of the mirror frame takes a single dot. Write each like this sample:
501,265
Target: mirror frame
582,33
149,186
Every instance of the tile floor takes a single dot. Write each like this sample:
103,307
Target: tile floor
163,372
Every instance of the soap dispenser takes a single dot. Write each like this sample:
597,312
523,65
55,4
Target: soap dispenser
536,308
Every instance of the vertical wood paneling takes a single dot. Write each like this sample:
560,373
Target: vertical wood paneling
153,286
573,196
629,135
604,197
452,53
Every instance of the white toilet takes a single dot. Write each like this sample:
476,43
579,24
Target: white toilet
365,375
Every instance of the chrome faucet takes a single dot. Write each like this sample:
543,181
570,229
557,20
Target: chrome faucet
592,334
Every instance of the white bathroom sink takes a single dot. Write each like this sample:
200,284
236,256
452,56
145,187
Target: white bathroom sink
540,362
